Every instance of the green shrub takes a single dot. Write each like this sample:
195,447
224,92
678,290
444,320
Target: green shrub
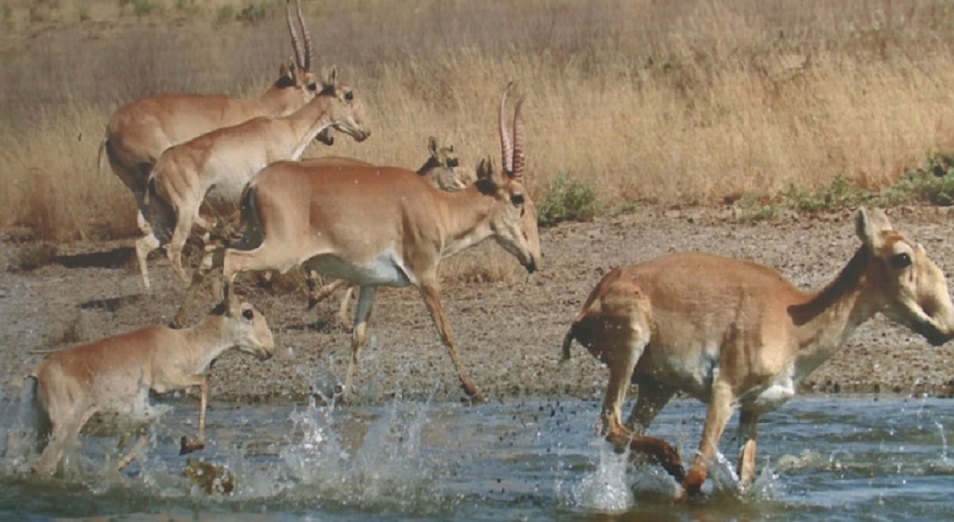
254,13
187,6
143,7
932,184
568,200
226,13
839,194
753,207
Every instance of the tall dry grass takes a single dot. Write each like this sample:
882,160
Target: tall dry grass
690,102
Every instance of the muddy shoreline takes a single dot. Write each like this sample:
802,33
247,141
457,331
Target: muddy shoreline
509,326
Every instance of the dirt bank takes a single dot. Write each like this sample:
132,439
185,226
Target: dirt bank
509,330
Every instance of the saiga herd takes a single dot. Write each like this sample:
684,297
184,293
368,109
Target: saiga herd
732,334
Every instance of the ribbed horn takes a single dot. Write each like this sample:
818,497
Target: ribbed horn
506,145
296,42
307,36
519,159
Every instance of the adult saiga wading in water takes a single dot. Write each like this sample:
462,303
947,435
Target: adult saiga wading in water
384,226
736,334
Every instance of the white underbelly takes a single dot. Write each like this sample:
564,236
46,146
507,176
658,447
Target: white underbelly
693,376
387,269
771,395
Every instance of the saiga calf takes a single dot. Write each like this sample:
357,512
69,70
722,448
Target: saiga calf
115,375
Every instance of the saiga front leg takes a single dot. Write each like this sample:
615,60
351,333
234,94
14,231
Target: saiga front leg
188,446
720,409
430,291
747,433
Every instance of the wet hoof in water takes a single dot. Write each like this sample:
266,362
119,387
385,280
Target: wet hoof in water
187,446
473,395
209,477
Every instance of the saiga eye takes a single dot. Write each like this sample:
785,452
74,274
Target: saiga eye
900,261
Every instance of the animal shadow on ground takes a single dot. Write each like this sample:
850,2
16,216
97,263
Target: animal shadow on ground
111,304
115,258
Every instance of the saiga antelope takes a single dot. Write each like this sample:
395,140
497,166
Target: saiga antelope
440,170
384,226
214,168
139,131
736,334
115,374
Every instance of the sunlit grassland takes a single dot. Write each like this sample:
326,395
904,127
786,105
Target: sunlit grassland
671,103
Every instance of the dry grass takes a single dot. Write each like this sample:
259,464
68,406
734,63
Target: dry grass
690,102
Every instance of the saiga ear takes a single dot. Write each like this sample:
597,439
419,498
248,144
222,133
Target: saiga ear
869,225
288,69
432,146
329,76
490,177
231,302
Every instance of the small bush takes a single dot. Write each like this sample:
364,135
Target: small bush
187,6
839,194
226,14
568,200
143,7
932,184
754,207
254,13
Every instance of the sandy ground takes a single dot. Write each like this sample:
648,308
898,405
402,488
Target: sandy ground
509,329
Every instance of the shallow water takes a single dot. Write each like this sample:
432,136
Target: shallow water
819,459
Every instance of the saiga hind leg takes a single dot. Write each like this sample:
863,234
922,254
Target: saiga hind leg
359,336
621,358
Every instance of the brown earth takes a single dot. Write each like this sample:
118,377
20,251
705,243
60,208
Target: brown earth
509,329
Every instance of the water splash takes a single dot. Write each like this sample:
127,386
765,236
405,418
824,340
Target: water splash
725,479
17,431
319,452
605,489
387,466
940,429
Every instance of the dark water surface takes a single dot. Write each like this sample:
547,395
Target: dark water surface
819,459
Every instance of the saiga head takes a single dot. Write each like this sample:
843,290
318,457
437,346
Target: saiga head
347,114
249,330
911,288
514,219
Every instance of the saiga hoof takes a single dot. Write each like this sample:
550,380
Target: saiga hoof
187,446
